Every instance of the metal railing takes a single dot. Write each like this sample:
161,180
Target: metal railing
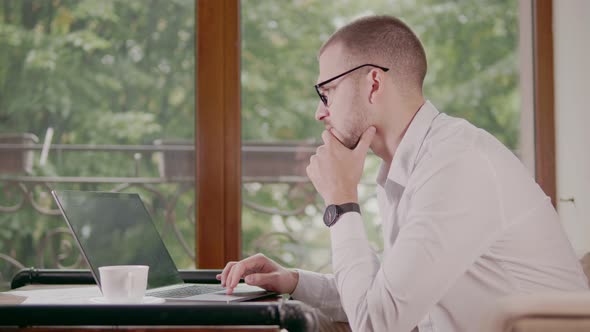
34,233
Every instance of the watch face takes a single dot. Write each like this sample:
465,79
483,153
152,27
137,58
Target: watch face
330,215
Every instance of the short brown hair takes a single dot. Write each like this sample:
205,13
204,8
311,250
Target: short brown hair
384,41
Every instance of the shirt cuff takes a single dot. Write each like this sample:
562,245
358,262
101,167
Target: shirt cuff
307,287
320,292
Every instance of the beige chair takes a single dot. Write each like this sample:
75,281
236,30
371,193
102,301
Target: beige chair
560,312
555,312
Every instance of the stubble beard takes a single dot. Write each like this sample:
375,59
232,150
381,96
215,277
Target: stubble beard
358,123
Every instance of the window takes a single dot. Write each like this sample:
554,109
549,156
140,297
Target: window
94,95
67,64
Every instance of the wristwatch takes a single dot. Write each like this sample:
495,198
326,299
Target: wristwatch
334,212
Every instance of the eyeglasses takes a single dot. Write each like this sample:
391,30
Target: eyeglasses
318,86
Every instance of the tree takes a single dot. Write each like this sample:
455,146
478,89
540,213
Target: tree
97,72
122,72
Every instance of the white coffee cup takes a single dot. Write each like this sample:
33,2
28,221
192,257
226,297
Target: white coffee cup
123,283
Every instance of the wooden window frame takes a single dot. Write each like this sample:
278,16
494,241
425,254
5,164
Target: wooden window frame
218,124
544,97
218,133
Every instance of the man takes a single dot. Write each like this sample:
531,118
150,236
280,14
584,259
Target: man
463,221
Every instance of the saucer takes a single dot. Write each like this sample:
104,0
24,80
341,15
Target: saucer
145,300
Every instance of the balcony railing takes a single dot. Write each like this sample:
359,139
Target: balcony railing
276,191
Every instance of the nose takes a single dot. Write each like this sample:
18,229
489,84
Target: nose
321,112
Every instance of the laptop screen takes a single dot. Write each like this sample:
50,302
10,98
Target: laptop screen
116,229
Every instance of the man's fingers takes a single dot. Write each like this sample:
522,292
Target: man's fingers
234,271
264,280
226,271
251,264
236,274
234,277
365,141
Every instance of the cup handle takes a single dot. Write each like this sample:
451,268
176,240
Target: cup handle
129,284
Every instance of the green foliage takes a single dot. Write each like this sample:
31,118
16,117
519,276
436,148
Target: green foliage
70,65
471,49
122,72
97,72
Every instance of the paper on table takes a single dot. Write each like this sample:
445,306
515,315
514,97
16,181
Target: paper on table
11,299
73,295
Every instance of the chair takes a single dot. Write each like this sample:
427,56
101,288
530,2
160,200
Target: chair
559,311
552,311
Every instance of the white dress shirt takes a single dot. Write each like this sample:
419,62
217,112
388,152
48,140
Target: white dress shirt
464,223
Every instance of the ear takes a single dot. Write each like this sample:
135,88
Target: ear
375,80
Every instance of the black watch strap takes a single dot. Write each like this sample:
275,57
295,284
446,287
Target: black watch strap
350,207
334,212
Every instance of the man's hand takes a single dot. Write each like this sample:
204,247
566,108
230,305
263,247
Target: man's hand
335,170
260,271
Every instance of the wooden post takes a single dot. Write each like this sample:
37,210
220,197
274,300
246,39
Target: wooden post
544,97
218,134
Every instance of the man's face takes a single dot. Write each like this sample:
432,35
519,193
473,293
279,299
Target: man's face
346,114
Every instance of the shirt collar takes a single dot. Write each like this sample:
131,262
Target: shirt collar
405,156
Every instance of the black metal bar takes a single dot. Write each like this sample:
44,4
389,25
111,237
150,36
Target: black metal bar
84,277
277,148
290,315
146,180
78,179
92,147
51,277
200,276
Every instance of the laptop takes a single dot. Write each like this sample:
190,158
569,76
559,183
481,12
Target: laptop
116,229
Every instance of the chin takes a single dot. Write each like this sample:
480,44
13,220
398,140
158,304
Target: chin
351,143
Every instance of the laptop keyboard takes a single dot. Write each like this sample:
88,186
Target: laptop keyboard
187,291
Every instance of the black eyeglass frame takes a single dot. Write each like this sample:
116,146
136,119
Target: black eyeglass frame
323,97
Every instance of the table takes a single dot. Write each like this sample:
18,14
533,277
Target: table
264,315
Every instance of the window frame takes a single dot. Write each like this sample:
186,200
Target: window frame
544,96
217,134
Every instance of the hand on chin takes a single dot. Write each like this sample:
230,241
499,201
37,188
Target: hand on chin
343,140
335,170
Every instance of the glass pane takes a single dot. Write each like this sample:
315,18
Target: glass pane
94,95
473,73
